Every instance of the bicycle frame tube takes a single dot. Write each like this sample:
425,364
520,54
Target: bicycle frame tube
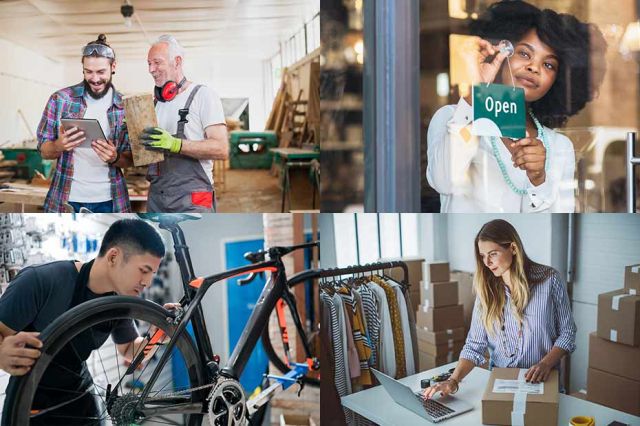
202,285
181,251
259,319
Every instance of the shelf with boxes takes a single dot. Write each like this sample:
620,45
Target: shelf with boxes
613,377
439,318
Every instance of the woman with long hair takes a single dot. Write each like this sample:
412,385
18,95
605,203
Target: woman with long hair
522,313
559,62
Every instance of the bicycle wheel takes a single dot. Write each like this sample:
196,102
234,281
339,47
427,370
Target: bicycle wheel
114,390
276,353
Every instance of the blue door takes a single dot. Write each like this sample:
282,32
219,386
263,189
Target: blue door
241,301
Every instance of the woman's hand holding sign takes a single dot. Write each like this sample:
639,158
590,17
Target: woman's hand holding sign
529,154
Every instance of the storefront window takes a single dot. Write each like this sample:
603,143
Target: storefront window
342,156
590,103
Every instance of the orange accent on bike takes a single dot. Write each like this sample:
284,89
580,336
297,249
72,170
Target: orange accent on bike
157,336
264,269
310,363
196,283
34,411
282,321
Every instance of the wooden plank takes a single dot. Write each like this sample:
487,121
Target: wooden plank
141,113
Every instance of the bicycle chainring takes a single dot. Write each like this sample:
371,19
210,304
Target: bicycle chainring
227,404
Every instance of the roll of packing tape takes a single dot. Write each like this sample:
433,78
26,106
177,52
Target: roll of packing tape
582,421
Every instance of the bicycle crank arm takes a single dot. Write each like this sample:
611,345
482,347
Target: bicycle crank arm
262,398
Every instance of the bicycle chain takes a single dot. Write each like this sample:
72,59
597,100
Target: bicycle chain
178,393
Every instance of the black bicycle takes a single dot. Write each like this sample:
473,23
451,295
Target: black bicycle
144,388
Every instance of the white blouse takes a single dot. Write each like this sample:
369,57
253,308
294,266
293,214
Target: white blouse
465,171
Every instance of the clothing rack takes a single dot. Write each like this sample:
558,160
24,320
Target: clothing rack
350,270
340,381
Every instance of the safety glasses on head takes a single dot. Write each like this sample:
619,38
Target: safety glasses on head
99,49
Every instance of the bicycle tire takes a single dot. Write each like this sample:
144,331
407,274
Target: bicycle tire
73,322
276,360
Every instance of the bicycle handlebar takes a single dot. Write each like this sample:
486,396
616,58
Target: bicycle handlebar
274,253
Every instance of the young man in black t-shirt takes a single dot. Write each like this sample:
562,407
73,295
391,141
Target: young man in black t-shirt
129,256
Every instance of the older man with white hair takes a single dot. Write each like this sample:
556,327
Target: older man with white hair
192,133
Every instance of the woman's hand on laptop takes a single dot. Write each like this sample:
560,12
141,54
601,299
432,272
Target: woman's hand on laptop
445,388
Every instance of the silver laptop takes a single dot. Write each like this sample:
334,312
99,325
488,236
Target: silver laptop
430,409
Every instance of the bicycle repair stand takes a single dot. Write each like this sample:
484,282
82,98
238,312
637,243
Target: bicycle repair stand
282,383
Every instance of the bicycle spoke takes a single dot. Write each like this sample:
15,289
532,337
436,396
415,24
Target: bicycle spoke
71,371
80,359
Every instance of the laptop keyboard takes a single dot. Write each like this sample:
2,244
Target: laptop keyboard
433,407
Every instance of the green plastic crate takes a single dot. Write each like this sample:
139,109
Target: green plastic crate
251,150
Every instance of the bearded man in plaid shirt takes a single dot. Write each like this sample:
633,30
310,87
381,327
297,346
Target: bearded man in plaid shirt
84,176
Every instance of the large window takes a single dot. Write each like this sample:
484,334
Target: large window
368,237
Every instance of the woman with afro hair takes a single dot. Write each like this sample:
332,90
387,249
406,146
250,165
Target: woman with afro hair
559,62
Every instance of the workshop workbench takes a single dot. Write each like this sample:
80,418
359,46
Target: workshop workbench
22,194
296,158
376,405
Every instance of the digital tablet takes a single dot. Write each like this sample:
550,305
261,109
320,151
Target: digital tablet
90,127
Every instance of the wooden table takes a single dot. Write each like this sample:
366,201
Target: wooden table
288,158
23,194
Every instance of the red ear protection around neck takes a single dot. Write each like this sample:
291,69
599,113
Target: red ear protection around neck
169,90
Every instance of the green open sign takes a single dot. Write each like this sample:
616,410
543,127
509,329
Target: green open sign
499,110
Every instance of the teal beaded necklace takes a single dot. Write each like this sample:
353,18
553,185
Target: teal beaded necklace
503,168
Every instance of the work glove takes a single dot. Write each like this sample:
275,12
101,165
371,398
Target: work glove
157,138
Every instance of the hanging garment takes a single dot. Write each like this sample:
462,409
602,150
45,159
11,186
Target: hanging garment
406,327
398,338
330,352
386,350
342,324
372,319
357,330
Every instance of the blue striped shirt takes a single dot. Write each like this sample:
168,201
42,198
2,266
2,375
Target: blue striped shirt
548,322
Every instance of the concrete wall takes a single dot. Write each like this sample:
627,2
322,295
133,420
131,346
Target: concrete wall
206,238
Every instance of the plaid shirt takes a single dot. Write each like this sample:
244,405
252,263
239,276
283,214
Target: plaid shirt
70,103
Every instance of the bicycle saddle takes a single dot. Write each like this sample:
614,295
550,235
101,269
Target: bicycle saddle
169,217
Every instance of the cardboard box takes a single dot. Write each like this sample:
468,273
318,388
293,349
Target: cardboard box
439,319
619,317
613,391
427,362
435,295
437,272
443,349
296,420
614,358
632,278
538,409
581,394
440,337
414,266
466,297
